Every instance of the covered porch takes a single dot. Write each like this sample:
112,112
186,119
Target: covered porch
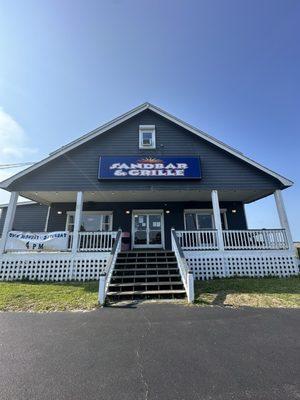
203,220
94,244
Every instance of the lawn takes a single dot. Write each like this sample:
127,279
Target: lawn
38,296
75,296
249,292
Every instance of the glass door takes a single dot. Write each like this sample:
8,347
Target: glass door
140,230
147,229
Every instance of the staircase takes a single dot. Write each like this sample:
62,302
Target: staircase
145,275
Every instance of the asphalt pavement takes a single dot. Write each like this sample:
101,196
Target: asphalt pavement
151,351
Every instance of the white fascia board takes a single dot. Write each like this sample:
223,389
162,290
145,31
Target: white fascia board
125,117
22,203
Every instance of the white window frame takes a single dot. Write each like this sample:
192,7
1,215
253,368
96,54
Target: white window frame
69,213
206,211
147,129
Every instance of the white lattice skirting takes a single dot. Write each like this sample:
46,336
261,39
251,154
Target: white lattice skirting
52,267
209,265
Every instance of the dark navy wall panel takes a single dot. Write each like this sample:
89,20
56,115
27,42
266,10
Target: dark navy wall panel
122,220
30,217
77,169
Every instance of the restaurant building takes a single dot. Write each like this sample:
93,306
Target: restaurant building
165,186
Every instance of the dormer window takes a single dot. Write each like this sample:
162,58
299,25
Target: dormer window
147,137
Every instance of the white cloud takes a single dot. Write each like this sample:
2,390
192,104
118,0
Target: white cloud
13,140
14,148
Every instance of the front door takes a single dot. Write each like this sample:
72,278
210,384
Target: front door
147,229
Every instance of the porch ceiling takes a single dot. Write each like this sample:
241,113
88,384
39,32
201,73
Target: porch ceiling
246,196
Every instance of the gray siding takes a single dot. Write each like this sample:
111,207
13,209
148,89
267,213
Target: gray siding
29,217
122,220
77,169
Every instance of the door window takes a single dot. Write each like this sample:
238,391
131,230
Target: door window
140,227
154,229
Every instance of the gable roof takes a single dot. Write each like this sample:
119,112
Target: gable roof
124,117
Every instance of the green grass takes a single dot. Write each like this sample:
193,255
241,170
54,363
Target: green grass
72,296
38,296
251,292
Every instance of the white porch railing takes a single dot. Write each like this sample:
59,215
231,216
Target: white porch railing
185,273
106,276
94,241
254,239
198,240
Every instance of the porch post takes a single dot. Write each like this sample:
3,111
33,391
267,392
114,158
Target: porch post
283,217
217,218
9,219
77,221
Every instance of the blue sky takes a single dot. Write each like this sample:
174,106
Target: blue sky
230,68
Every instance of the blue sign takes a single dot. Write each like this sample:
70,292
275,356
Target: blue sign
149,168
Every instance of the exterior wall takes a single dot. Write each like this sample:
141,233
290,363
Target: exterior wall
77,169
28,217
122,220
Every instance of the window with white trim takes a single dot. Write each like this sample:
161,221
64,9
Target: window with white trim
147,137
195,220
91,221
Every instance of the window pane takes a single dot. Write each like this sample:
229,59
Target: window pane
190,222
106,219
147,135
154,222
105,227
90,223
140,237
147,138
155,237
204,221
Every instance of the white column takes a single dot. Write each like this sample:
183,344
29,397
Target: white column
283,216
217,218
9,219
77,221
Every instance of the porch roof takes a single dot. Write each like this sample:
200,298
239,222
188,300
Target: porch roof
48,197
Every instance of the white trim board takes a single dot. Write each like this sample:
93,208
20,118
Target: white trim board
24,203
145,106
